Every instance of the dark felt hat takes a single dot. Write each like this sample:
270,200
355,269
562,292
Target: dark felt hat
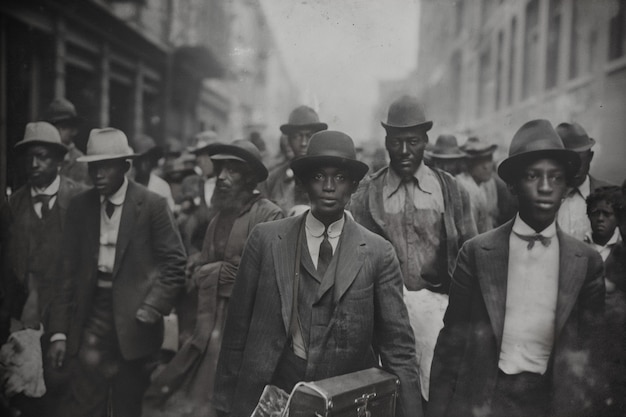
406,112
574,137
240,150
303,117
61,110
41,133
535,140
330,147
446,147
476,148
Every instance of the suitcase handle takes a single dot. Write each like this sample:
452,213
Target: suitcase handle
362,403
311,385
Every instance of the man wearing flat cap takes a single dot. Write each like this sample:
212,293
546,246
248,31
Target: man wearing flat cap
572,217
424,213
317,294
281,185
122,267
189,376
38,209
526,304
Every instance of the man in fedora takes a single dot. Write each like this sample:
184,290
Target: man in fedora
526,302
144,165
491,202
38,221
347,313
281,185
572,217
189,376
62,114
424,213
445,155
122,267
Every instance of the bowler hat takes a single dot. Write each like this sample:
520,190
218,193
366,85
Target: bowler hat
203,139
445,147
574,137
240,150
105,144
535,140
144,145
476,148
62,110
303,117
330,147
406,112
41,133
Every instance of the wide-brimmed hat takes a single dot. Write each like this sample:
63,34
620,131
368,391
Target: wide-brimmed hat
445,147
406,112
534,140
574,137
144,145
301,118
107,143
62,110
476,148
203,140
41,133
330,147
240,150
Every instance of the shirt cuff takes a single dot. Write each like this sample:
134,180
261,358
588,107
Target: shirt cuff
58,336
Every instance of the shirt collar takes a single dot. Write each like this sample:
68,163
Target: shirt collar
422,175
51,189
119,196
615,239
316,228
585,188
521,228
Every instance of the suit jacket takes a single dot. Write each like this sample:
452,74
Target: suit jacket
149,269
465,366
369,316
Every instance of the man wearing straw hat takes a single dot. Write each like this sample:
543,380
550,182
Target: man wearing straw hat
122,267
526,302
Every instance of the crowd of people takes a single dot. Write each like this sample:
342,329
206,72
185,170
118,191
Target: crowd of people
147,280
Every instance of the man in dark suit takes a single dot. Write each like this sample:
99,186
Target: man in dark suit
347,311
526,302
122,266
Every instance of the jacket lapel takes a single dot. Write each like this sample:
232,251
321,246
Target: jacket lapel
349,261
376,201
130,212
572,267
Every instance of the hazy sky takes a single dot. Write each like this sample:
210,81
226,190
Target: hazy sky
338,50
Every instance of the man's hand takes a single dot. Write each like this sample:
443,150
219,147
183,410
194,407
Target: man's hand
148,315
56,353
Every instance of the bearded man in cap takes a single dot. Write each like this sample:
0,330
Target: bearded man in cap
122,267
572,217
526,302
424,213
186,384
343,311
281,185
38,222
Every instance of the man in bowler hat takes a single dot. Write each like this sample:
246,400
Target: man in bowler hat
526,302
317,294
122,266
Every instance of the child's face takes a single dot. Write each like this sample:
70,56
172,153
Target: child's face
603,220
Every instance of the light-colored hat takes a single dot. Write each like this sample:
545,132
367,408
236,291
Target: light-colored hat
41,133
476,148
303,117
107,143
202,140
446,147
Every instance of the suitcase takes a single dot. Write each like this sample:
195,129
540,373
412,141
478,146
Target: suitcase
368,393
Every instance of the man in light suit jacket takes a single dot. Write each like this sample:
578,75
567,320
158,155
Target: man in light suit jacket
122,268
526,302
348,310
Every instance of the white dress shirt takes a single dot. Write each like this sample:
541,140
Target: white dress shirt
109,228
315,235
51,190
572,216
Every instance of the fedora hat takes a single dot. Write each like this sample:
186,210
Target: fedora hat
406,112
107,143
574,137
203,140
41,133
144,145
330,147
62,110
534,140
476,148
303,117
240,150
445,147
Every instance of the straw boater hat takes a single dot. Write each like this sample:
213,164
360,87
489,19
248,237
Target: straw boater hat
333,148
61,110
301,118
406,112
574,137
446,147
534,140
41,133
475,148
105,144
240,150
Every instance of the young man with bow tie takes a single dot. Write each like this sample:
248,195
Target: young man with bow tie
526,302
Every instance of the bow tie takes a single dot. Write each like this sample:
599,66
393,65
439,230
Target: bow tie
531,239
43,198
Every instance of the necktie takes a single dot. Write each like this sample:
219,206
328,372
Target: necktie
109,209
325,256
531,239
44,199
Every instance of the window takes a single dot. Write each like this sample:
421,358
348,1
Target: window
531,50
512,53
499,69
583,39
617,32
552,51
484,77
